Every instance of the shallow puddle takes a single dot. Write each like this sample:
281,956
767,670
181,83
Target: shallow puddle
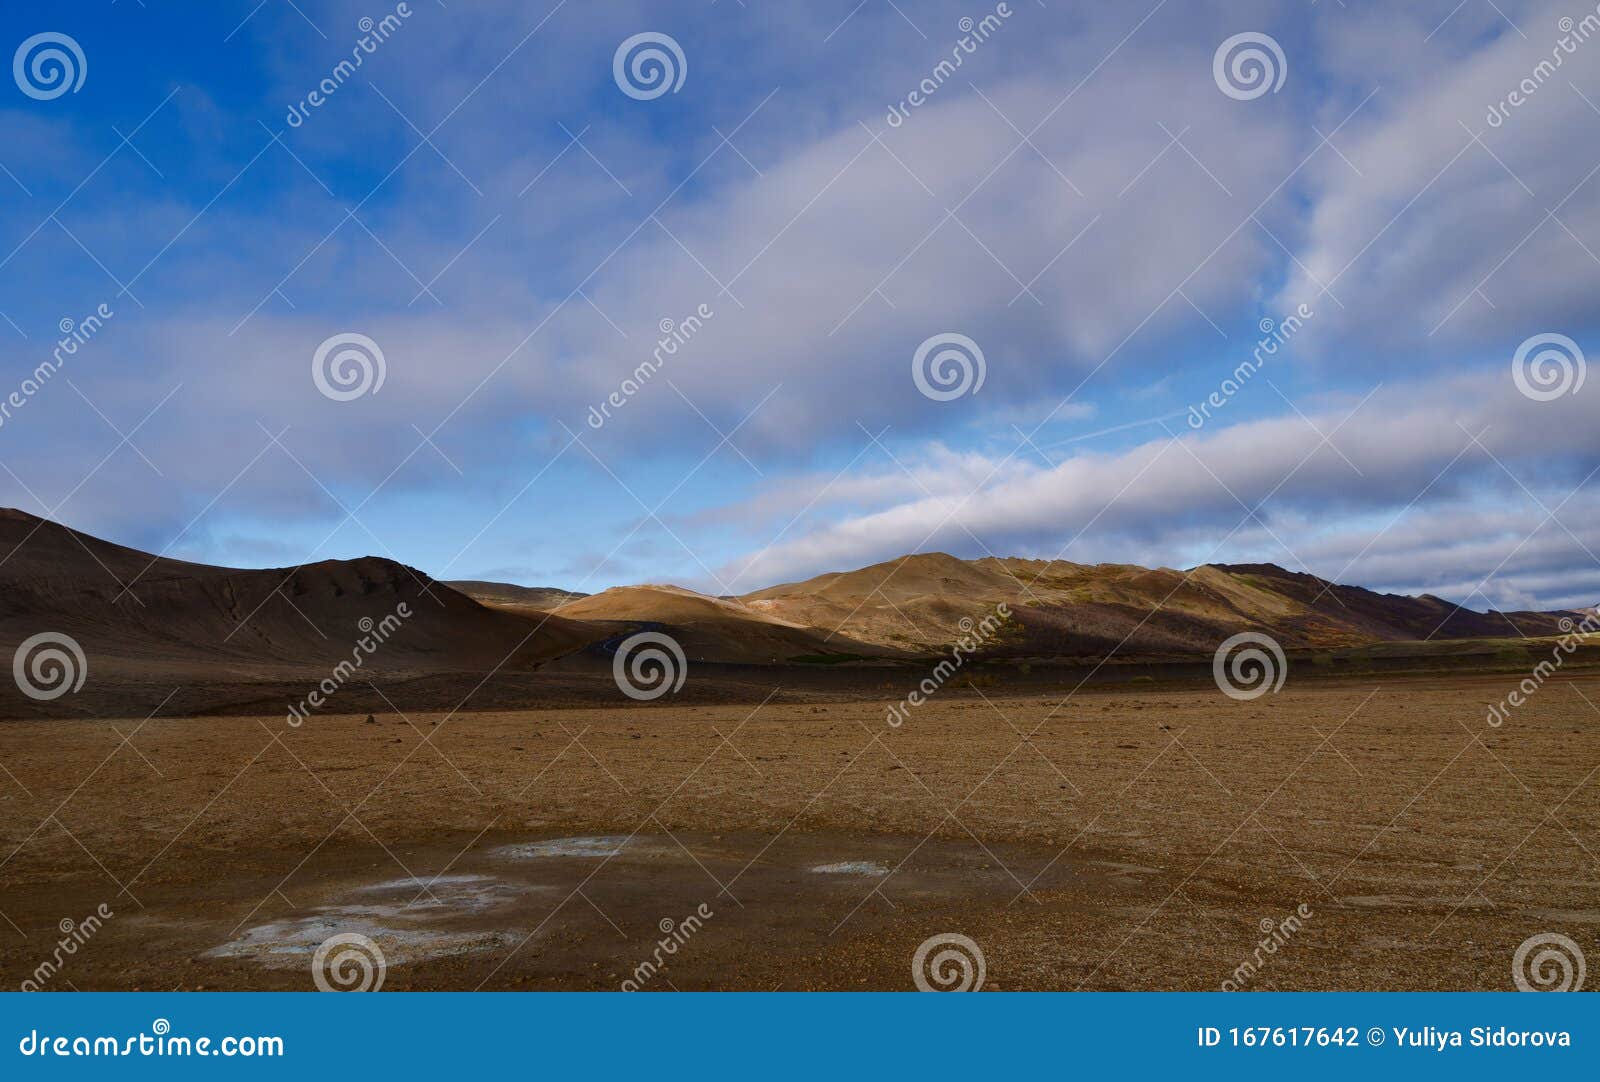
289,943
461,893
600,846
790,887
401,918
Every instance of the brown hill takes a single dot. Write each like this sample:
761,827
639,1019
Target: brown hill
1086,611
146,622
713,628
144,618
506,595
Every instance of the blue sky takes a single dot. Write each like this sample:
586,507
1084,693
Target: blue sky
1083,199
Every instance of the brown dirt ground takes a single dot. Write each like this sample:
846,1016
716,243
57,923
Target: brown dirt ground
1138,839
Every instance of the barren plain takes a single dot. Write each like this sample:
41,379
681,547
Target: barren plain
1146,836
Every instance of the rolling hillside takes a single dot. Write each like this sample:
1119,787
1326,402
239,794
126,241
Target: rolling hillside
1080,610
139,616
146,622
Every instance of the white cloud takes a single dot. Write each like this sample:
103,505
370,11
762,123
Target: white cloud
1401,456
844,254
1440,242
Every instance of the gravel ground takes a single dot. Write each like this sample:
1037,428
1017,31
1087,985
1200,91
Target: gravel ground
1139,837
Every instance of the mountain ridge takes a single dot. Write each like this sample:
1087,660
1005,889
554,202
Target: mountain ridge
145,616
